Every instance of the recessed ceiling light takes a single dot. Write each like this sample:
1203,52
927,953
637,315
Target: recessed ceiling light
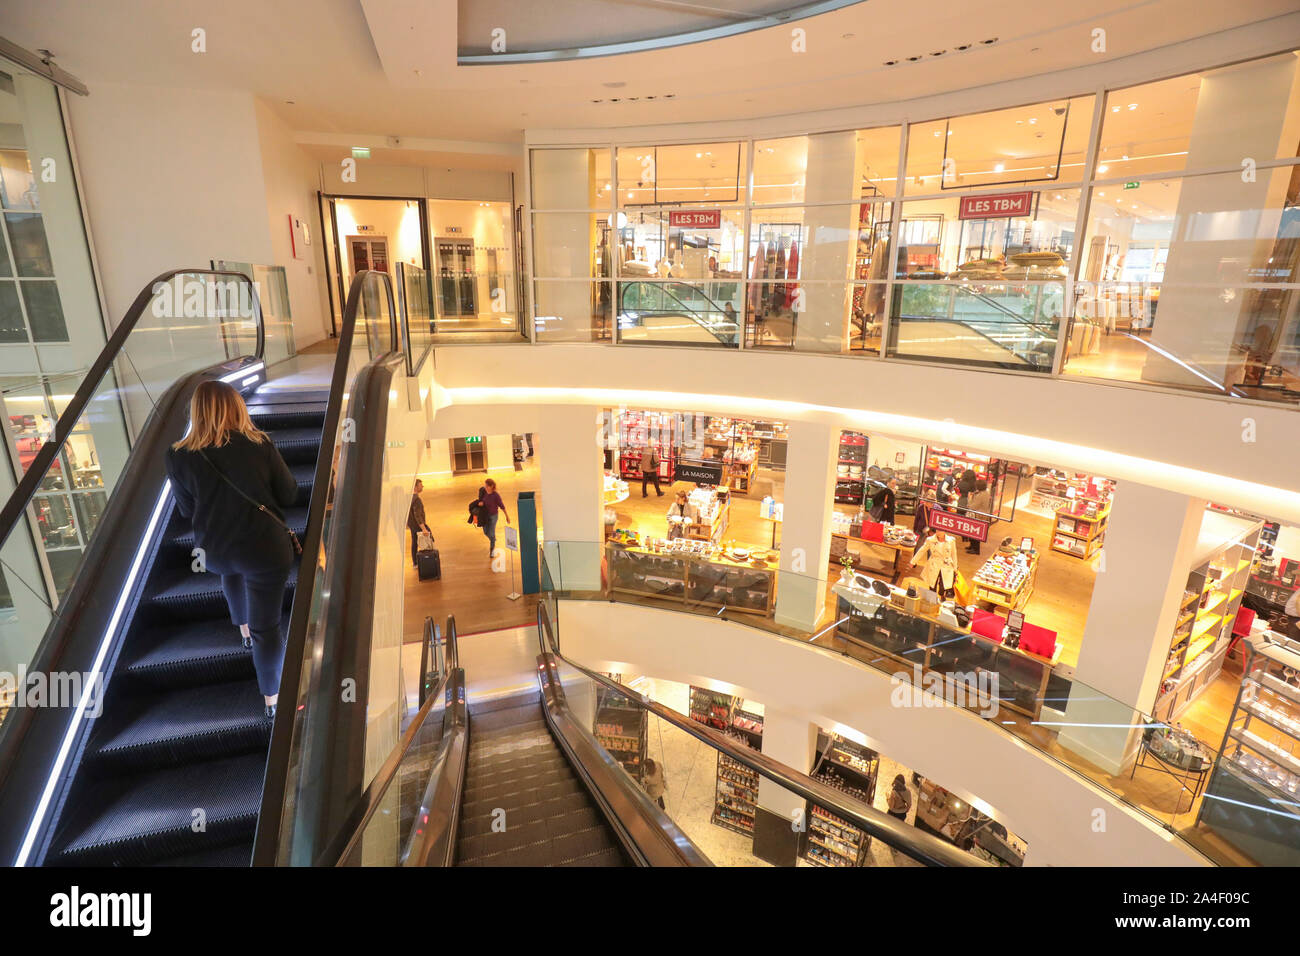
936,132
1124,157
1103,168
1033,120
999,167
290,102
1114,109
699,155
949,132
987,42
1132,106
891,63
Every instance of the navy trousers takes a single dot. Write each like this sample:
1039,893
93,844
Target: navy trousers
255,597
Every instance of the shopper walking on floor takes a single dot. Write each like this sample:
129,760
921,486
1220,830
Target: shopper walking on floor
232,484
886,502
650,469
939,554
415,520
654,782
900,799
492,506
978,506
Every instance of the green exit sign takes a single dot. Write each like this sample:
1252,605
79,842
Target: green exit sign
1132,185
474,440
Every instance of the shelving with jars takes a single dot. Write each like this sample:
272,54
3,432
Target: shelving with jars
1253,795
735,799
852,769
621,727
1080,527
1207,611
711,708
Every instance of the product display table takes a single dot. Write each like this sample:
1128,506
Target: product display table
911,637
702,575
895,555
1177,754
992,588
1033,639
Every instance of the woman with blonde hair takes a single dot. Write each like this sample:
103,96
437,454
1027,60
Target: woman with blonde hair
230,481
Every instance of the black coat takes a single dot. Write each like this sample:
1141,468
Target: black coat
228,528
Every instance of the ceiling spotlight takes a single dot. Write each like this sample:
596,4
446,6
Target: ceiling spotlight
891,63
999,167
699,155
990,41
1132,106
1114,109
1033,120
1103,169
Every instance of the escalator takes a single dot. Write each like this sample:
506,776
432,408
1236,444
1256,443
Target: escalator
516,767
163,759
183,725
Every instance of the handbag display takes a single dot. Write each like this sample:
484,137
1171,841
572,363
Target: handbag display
293,538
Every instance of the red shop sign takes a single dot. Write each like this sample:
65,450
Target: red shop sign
959,525
695,218
1000,206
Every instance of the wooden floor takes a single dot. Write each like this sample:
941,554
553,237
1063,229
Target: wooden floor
470,588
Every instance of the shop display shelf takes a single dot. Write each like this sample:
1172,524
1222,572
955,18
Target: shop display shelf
1264,716
1203,625
1199,648
1279,687
1215,601
1286,761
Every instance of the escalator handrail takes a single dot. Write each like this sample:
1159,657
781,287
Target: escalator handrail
267,839
344,846
648,835
918,845
16,506
688,311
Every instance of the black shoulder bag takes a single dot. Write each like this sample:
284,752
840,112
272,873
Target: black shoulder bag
293,538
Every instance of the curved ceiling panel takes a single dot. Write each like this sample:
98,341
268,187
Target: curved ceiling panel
506,31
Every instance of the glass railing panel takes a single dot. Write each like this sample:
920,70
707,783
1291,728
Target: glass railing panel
272,286
415,305
193,322
679,313
569,310
1228,340
714,799
994,324
1016,689
386,836
386,695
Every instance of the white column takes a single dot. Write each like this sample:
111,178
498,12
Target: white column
500,453
572,495
563,243
1223,232
829,244
791,739
1150,539
806,531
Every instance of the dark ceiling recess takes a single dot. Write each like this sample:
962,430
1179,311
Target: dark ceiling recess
957,47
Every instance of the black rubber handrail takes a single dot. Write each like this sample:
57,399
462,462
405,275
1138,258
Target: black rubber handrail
266,842
16,505
924,847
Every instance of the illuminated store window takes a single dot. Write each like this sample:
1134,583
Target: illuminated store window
699,173
799,169
1025,144
1201,120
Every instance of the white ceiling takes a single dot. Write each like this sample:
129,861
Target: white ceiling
388,67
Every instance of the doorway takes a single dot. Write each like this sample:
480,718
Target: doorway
468,455
366,252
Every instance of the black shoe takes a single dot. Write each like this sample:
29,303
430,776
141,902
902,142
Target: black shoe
270,711
248,641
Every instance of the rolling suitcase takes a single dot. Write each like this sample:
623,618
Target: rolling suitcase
429,564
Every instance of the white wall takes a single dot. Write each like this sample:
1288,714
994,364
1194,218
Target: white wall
173,178
292,178
1168,440
1035,797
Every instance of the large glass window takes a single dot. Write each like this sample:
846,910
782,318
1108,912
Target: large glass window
699,173
798,169
1025,144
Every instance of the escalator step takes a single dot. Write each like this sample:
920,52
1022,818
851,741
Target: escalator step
612,856
186,725
233,854
187,594
296,444
196,651
476,818
305,474
154,816
180,535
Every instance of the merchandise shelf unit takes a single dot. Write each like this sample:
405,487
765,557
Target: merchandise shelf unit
1079,533
735,799
1255,783
1207,611
635,429
621,727
852,769
991,587
851,469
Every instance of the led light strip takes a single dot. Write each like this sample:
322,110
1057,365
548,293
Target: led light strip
246,376
38,818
